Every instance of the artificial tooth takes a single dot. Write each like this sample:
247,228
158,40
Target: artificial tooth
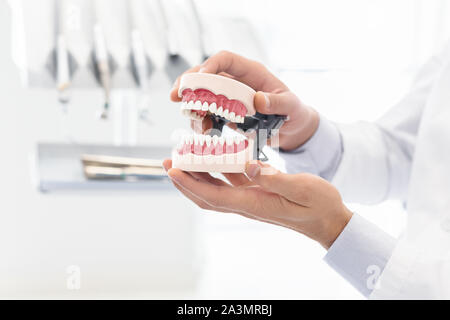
222,140
198,105
196,139
229,140
237,139
213,107
219,111
191,139
225,114
205,106
215,139
190,105
201,139
238,119
232,116
208,140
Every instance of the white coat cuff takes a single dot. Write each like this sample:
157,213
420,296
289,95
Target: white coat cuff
360,253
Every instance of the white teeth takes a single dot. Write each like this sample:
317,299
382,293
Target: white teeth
201,139
198,105
229,140
208,140
222,140
237,139
196,139
215,139
225,114
191,139
213,107
187,107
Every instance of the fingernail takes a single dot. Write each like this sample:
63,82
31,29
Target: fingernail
171,176
267,100
253,170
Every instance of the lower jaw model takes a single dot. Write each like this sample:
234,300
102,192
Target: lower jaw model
205,153
223,100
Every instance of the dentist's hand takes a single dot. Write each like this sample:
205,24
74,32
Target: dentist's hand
272,97
302,202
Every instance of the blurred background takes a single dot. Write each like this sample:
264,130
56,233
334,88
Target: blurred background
65,236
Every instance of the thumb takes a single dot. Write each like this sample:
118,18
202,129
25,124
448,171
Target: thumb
276,103
292,187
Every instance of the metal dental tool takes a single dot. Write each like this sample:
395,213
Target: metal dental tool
201,30
142,66
62,64
175,64
102,63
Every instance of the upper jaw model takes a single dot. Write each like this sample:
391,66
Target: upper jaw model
223,100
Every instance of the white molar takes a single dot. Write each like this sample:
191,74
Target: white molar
220,111
205,106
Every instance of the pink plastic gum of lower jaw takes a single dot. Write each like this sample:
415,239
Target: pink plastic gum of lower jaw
219,85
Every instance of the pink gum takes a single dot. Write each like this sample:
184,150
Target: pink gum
205,95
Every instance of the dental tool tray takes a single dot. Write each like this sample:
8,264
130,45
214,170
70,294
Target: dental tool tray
58,167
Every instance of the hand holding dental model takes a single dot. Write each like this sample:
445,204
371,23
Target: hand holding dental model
302,202
272,97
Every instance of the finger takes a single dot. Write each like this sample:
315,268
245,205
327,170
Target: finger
250,72
202,126
251,202
225,197
284,103
200,203
167,164
204,176
237,179
294,187
174,91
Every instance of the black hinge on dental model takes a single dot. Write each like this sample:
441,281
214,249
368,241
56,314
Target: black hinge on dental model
263,124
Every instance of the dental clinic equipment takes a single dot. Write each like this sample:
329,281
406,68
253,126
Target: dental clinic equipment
175,63
100,167
223,100
101,61
201,30
142,66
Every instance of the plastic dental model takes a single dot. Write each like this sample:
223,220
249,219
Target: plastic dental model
223,100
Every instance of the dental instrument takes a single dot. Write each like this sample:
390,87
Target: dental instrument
175,63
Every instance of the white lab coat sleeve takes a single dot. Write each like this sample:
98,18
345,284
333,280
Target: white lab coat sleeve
376,158
360,253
